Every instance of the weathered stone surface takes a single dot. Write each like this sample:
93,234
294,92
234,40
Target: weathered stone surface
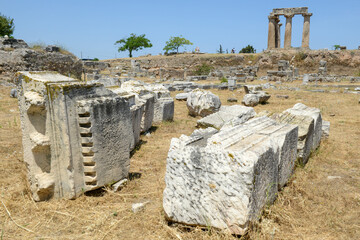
314,113
162,103
202,103
325,129
253,99
252,88
76,136
305,132
6,42
225,180
232,100
250,100
227,114
13,93
181,96
164,110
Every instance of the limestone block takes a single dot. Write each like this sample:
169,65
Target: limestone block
76,136
305,132
314,113
224,179
202,103
181,96
227,114
148,114
137,111
325,129
162,104
252,88
254,98
250,100
164,110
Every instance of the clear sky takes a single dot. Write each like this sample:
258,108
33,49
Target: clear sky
89,28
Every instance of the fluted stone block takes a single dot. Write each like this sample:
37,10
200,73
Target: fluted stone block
225,179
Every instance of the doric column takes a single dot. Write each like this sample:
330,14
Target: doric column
288,27
272,29
306,30
278,36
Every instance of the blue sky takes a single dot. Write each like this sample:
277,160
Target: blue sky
90,28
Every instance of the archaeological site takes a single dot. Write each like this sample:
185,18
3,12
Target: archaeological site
189,145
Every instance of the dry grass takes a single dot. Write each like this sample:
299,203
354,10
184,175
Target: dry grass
310,207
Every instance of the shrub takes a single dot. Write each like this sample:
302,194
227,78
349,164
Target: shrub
203,69
248,49
223,80
300,56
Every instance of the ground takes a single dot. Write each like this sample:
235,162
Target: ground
321,201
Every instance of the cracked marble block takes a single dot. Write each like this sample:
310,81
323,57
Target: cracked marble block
224,179
76,136
309,122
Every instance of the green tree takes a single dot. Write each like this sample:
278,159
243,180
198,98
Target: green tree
133,43
248,49
336,47
175,42
220,49
6,26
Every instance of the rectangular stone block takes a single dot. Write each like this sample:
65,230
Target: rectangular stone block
229,115
76,136
224,179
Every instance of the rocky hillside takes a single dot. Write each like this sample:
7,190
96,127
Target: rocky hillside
345,62
17,56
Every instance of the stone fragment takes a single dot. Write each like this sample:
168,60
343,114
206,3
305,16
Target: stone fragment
252,88
305,135
225,179
137,207
227,114
76,136
13,93
325,129
232,100
119,185
202,103
282,96
251,100
314,113
181,96
163,110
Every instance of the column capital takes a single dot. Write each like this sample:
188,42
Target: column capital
307,14
289,15
273,17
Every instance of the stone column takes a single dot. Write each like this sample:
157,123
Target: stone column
306,30
278,36
272,30
288,27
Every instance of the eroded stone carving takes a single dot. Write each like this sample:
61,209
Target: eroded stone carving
76,136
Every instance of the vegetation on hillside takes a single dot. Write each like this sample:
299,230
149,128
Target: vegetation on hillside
248,49
133,43
175,42
6,26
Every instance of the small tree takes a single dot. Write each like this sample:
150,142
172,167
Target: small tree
133,43
6,26
336,47
248,49
175,42
220,49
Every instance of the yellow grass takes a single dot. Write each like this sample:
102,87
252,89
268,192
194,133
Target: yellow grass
311,206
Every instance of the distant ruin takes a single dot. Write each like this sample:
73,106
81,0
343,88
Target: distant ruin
274,40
